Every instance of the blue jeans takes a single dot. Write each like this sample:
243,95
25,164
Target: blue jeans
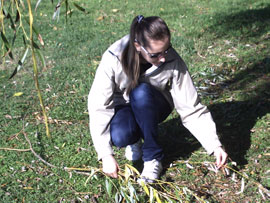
148,107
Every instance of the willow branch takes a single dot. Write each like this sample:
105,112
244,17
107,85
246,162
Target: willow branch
35,154
31,19
12,149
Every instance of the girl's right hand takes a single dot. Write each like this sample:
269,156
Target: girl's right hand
110,166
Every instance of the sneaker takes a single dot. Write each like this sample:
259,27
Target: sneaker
151,171
134,152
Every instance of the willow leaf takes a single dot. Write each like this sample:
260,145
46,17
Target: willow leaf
133,169
11,22
24,41
123,193
145,188
20,63
17,94
127,173
14,38
79,7
108,187
17,17
118,198
35,45
37,4
156,196
5,40
57,11
151,196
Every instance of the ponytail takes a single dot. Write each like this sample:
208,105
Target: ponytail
141,31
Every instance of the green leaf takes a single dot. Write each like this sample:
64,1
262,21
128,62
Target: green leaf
127,173
156,196
169,200
151,196
14,38
17,17
80,8
24,41
145,188
123,193
131,191
108,185
17,94
57,11
92,174
118,198
133,169
11,22
37,4
5,40
35,45
20,63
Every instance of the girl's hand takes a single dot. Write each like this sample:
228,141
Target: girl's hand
221,157
110,166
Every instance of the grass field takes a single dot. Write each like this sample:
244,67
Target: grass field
226,47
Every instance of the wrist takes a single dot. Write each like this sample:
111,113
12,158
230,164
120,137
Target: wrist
216,149
106,157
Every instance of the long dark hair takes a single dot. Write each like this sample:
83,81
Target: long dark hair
141,30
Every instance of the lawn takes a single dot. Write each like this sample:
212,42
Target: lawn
226,47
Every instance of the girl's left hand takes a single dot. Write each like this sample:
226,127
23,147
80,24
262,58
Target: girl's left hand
221,157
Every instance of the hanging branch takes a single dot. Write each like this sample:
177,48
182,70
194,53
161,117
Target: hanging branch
36,69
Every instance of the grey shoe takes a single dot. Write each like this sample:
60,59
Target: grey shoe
151,171
134,152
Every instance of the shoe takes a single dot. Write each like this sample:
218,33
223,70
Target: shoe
151,171
134,152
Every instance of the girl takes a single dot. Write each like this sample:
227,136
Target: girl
140,79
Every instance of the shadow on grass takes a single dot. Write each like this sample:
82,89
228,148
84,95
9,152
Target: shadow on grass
250,90
177,142
234,119
244,24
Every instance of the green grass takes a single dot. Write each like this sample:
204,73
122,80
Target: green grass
226,46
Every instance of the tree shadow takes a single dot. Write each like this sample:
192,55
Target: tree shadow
176,141
234,119
249,88
243,24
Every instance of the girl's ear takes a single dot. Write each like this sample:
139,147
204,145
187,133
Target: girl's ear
137,46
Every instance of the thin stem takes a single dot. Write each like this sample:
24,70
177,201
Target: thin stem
31,19
12,149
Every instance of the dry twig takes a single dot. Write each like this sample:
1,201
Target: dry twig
18,150
35,154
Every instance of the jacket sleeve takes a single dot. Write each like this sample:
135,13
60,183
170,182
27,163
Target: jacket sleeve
195,116
100,105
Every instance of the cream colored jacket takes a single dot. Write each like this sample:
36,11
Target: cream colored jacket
171,78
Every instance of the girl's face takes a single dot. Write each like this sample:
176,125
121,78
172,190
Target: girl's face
155,52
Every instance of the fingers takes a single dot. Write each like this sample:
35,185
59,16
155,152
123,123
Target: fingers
221,157
113,175
110,166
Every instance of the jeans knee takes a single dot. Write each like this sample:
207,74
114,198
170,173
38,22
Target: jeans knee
122,137
140,95
118,137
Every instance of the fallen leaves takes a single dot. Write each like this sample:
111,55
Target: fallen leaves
51,120
17,94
